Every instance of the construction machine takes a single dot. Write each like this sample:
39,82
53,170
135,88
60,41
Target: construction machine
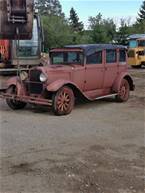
16,19
21,36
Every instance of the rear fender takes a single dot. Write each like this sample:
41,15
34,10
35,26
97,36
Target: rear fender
15,81
117,82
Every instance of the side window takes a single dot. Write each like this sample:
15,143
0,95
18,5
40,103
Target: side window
95,58
111,56
122,56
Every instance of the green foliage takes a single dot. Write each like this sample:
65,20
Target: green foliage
49,7
141,14
57,32
103,30
123,33
76,25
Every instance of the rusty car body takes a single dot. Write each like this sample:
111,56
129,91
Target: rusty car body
78,71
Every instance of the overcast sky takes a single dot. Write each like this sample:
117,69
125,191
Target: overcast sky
115,9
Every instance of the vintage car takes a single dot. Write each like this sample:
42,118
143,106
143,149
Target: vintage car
78,71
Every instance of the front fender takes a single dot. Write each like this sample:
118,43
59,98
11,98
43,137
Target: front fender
56,85
15,81
117,82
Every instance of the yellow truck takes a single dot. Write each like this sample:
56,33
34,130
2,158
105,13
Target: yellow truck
136,51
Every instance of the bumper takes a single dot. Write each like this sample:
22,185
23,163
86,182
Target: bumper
26,99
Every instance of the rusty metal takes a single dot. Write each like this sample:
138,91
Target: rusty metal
16,14
27,99
86,80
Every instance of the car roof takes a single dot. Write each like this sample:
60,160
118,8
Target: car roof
92,48
136,36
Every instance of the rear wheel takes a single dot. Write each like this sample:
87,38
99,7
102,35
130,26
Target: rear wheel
12,103
63,101
123,93
138,66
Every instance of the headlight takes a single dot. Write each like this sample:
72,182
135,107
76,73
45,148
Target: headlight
23,75
43,77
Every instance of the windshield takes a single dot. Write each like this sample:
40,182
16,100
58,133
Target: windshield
141,43
66,58
133,44
28,48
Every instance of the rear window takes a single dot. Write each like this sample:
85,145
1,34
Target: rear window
111,56
131,53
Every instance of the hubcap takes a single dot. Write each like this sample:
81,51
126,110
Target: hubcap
123,91
63,101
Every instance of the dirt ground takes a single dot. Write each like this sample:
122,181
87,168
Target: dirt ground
98,148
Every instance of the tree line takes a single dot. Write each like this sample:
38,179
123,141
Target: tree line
60,31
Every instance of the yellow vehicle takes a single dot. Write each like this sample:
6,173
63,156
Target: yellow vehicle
136,51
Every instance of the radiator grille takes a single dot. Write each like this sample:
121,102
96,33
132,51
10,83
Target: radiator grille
34,86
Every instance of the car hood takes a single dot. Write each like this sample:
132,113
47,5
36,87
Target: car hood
54,68
56,72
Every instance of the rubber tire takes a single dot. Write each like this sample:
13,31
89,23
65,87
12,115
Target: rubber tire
55,96
120,98
15,105
137,67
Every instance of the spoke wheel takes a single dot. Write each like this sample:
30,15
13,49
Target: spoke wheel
123,93
63,101
14,104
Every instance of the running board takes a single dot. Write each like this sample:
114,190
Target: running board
106,96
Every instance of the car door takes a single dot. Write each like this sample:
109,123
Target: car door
78,76
111,67
77,69
94,71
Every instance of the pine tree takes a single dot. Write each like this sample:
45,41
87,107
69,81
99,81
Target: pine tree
76,25
49,7
141,14
123,33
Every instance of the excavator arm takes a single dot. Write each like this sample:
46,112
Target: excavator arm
16,15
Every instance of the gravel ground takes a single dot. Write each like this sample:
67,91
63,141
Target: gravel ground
98,148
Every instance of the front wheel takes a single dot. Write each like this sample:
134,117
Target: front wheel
12,103
123,93
63,101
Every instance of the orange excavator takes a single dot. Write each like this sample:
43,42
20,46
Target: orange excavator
16,19
21,35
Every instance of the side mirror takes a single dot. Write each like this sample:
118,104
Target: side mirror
16,14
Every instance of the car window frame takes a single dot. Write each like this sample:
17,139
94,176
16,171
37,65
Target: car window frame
122,62
64,55
88,63
115,56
